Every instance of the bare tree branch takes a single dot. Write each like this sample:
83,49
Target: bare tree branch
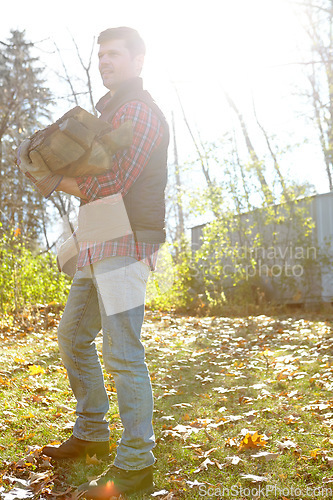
273,155
179,206
68,79
239,163
312,6
254,157
87,71
203,161
320,33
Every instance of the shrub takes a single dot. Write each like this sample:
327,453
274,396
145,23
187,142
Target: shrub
28,277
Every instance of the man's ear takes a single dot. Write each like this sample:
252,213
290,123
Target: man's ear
139,60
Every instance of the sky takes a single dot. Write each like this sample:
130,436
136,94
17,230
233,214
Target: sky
201,48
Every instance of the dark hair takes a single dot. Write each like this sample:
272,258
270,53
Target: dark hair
133,40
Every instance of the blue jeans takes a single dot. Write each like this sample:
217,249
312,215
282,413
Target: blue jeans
110,294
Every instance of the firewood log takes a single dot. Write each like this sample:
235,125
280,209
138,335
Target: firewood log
79,144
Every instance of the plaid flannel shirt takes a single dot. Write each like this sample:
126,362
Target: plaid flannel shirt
126,166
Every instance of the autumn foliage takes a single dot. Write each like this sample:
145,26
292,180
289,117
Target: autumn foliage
28,276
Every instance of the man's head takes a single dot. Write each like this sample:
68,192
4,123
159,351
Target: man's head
121,55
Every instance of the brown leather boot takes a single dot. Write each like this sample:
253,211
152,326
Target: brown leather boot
115,482
77,448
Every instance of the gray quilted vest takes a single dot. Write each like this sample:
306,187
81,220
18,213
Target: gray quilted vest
145,200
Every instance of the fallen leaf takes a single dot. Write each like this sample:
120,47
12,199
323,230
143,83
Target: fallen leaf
46,463
36,370
185,429
64,493
234,459
17,493
65,408
252,441
209,452
266,455
218,465
192,483
20,463
329,461
314,453
316,407
287,445
231,442
37,477
204,465
182,405
29,416
327,480
253,478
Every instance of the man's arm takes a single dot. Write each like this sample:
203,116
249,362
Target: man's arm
69,185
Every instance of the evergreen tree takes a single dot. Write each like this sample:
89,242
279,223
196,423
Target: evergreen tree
24,103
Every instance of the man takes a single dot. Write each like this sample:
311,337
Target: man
108,290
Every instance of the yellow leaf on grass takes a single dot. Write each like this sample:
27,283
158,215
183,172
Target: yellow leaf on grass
5,382
252,441
29,416
60,369
26,436
314,453
19,360
36,370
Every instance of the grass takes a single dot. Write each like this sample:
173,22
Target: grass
216,382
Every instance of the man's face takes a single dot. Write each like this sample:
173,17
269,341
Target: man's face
116,64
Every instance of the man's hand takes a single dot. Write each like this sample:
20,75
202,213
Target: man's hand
69,185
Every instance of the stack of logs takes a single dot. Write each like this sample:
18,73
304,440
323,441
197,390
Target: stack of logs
78,144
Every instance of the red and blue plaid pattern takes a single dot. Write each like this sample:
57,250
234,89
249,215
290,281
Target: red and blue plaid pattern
126,167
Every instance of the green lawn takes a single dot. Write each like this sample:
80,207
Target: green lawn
243,407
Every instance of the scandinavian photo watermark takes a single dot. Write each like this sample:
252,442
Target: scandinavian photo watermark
264,491
246,261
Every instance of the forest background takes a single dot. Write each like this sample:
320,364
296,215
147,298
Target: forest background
248,94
